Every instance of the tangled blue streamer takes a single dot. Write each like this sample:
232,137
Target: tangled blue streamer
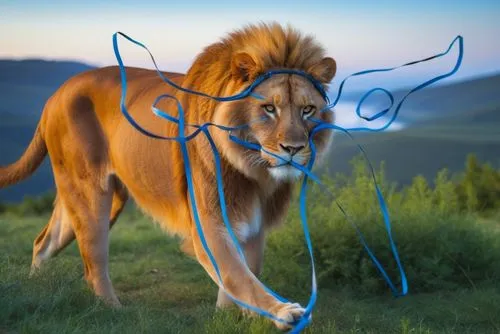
183,139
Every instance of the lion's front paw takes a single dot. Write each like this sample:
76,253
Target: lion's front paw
290,313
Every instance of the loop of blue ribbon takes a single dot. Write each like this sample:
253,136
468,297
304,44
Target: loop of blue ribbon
183,139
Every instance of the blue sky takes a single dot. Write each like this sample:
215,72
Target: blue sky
358,34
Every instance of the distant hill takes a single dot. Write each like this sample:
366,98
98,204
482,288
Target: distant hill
444,124
447,100
39,72
425,148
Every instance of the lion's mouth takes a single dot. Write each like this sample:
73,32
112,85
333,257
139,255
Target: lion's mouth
278,160
285,163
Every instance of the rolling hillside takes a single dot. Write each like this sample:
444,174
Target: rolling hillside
439,101
422,149
444,124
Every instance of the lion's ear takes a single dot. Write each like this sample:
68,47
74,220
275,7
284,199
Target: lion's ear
325,70
243,66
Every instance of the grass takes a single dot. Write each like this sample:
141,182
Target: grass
164,291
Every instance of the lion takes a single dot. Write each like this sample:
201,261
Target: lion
99,160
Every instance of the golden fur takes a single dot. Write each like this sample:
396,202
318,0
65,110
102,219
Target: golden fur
99,160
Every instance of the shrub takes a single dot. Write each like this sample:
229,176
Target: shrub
30,205
478,186
440,246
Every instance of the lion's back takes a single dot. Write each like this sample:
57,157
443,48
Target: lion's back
101,90
109,77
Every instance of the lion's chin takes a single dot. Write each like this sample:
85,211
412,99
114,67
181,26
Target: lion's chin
285,173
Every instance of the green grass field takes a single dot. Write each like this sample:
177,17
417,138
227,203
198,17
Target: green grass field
164,291
450,250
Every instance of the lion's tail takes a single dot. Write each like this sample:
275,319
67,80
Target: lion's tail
27,164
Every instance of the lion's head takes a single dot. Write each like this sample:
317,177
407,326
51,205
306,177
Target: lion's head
289,100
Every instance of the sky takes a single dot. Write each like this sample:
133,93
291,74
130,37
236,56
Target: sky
358,34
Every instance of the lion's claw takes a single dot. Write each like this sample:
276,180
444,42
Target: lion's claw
289,313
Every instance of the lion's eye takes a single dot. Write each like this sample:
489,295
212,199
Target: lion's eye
308,110
269,108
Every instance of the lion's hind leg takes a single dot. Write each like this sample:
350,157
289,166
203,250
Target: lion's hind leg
89,207
54,237
58,233
120,198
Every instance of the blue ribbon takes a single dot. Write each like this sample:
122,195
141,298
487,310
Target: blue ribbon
183,139
458,39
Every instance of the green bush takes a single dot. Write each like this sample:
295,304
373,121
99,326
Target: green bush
479,186
31,206
440,246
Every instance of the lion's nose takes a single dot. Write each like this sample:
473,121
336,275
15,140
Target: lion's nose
291,149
